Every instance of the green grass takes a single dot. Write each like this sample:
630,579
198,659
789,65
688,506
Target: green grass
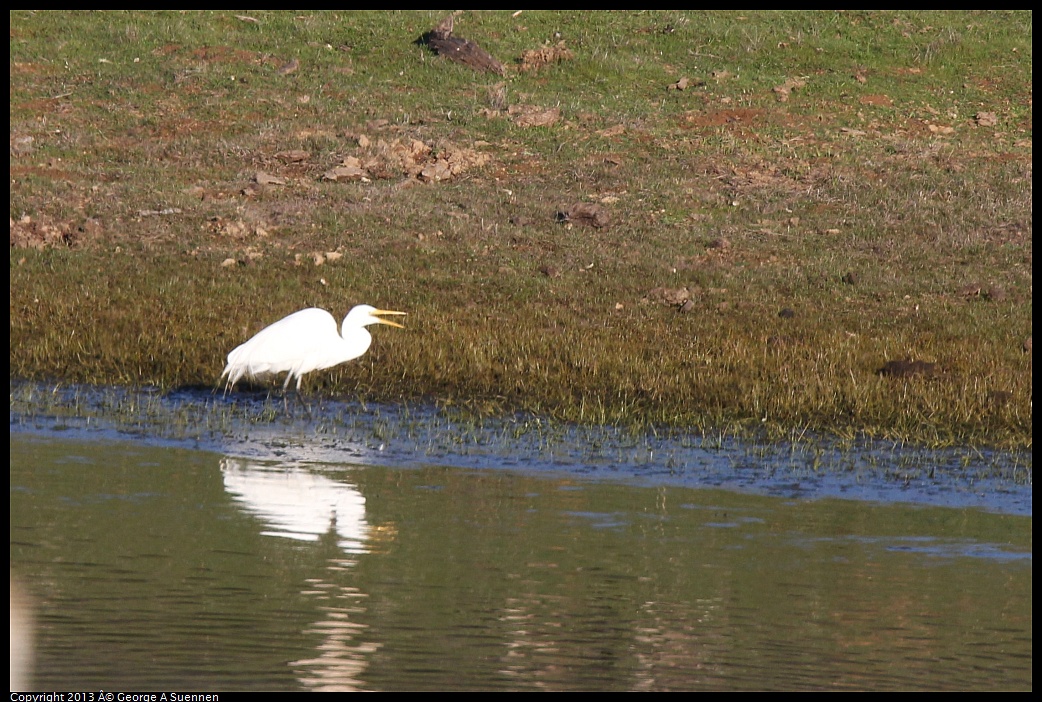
879,166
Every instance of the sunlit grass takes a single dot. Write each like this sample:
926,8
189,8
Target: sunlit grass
873,202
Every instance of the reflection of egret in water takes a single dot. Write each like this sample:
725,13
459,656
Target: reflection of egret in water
298,504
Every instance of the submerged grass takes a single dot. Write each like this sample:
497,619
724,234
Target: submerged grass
831,191
335,432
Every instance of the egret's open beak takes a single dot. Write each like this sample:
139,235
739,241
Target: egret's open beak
377,313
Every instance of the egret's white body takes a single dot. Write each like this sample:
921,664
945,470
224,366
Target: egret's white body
304,341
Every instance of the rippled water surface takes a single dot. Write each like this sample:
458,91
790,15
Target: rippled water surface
165,545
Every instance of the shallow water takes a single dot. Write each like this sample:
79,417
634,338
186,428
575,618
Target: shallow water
407,436
387,549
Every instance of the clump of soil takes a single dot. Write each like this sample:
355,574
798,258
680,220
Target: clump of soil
45,233
411,158
534,59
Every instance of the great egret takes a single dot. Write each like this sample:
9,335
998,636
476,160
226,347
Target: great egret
304,341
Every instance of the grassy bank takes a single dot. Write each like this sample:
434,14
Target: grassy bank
776,205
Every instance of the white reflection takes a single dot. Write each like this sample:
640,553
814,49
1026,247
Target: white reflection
298,504
21,638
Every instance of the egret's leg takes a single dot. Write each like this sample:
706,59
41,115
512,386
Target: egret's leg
300,398
285,387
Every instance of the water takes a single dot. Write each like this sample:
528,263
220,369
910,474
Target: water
375,551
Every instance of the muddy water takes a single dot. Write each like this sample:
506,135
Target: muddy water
351,554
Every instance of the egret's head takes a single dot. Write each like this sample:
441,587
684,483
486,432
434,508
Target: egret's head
364,315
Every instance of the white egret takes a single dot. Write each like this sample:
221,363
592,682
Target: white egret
304,341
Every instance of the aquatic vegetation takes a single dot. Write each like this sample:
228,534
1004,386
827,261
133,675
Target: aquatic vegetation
257,426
